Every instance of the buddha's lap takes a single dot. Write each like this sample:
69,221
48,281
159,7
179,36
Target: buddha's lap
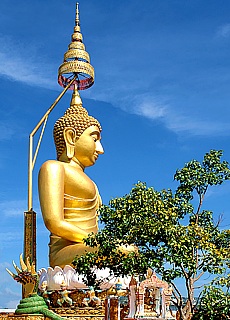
63,252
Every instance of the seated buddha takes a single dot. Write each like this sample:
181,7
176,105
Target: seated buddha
69,199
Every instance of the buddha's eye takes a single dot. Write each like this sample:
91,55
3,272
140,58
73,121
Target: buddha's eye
94,139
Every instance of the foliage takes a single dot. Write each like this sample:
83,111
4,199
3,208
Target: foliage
214,303
173,237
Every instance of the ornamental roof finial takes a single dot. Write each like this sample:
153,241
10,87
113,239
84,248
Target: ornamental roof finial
77,20
76,61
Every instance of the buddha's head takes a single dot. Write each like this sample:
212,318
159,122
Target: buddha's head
76,134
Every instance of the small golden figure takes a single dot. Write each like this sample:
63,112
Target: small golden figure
44,293
69,198
91,300
64,295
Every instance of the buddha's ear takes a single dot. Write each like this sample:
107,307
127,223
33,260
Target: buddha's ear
70,139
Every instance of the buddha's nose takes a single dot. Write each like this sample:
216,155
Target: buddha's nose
99,148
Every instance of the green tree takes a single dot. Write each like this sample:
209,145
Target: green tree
214,303
173,236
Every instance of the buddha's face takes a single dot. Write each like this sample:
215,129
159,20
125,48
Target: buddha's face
88,146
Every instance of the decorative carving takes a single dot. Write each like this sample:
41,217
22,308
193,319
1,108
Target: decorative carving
70,54
27,276
76,67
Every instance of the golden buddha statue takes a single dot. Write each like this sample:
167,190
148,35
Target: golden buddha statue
69,198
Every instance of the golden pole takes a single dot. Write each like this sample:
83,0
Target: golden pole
31,159
30,215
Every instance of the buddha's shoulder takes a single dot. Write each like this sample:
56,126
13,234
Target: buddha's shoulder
51,165
60,166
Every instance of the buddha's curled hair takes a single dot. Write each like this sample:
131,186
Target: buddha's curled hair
75,117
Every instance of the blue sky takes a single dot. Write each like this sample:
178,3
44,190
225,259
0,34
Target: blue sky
161,93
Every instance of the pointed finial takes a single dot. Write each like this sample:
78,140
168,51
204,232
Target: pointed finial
76,61
77,20
76,99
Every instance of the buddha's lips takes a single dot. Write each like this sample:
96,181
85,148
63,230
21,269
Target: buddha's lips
96,156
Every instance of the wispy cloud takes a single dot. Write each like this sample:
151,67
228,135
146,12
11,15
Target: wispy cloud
6,238
12,304
13,208
18,63
195,127
223,31
3,266
8,288
159,109
8,291
147,106
7,279
11,292
6,131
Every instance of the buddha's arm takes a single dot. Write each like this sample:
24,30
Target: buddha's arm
51,194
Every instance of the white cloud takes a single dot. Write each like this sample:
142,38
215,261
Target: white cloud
9,289
150,110
17,65
155,108
12,304
3,266
7,278
224,31
24,65
6,131
12,293
185,124
7,239
146,106
13,207
16,296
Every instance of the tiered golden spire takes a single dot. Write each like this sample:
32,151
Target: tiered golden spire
76,61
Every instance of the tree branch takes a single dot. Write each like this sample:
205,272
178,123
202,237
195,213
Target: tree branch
184,272
201,197
199,276
178,296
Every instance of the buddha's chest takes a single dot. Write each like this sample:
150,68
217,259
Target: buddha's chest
78,184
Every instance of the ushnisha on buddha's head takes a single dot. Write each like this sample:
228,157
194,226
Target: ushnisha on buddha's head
77,135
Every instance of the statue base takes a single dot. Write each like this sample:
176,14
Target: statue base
13,316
